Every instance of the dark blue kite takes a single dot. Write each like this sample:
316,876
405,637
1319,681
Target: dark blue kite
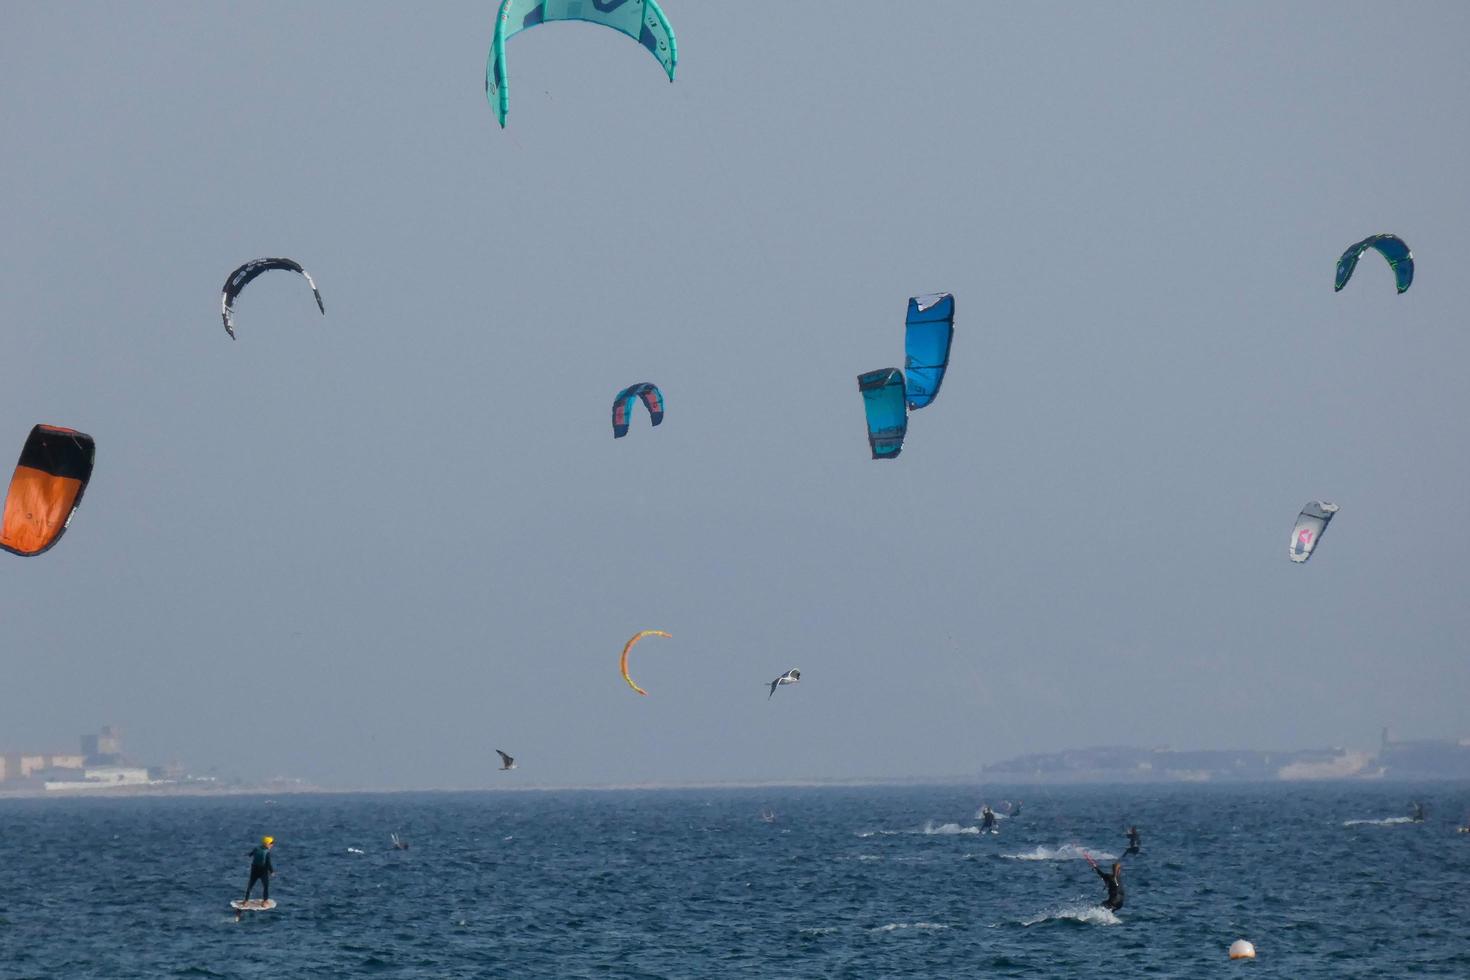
652,398
928,332
888,419
1391,247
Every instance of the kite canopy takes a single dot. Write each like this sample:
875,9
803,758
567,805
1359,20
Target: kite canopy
1391,247
55,465
1311,524
242,277
928,332
642,20
883,400
652,399
632,642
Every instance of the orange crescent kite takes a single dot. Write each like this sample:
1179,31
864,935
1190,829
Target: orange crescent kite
623,664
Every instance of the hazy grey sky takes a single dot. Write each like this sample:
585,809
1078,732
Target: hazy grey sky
366,549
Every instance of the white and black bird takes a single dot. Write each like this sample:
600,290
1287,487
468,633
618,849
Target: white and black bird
506,762
792,676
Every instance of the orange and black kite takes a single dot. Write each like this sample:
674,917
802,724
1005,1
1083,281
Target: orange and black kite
49,480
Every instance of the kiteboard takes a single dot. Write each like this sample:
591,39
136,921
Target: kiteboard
253,905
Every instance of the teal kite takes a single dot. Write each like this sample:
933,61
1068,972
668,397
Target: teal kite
642,20
622,408
1391,247
888,417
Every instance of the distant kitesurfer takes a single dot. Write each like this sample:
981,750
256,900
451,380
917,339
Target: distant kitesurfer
1114,880
1016,810
987,819
506,762
1417,812
399,844
1134,842
260,869
792,676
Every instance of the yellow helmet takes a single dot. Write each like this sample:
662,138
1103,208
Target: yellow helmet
267,841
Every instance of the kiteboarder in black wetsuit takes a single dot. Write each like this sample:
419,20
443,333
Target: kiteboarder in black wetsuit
987,819
1134,842
260,870
1417,814
1114,880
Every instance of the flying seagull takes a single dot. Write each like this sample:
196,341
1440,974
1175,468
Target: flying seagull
792,676
506,762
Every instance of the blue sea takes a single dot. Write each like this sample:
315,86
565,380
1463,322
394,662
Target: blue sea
1324,880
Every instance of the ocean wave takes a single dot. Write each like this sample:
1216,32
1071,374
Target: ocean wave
1377,823
1092,915
921,926
1065,852
930,829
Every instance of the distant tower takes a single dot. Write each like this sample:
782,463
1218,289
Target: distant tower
104,748
1384,745
109,740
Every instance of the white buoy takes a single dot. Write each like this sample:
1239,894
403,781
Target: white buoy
1242,950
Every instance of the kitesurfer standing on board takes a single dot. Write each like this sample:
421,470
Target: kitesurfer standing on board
260,869
1113,879
1134,842
987,819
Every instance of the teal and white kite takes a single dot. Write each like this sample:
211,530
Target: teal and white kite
641,20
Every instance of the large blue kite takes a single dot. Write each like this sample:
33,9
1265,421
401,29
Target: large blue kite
928,332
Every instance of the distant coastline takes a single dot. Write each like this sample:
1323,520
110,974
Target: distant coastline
987,776
296,788
1425,759
1421,760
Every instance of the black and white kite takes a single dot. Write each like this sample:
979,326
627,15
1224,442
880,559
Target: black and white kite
242,276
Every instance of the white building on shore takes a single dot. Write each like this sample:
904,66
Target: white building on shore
103,777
